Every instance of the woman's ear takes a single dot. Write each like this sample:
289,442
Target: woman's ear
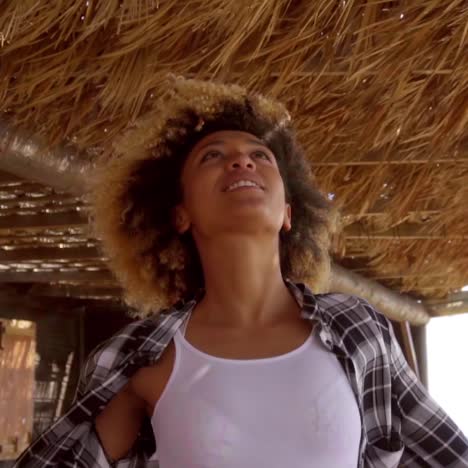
287,218
181,220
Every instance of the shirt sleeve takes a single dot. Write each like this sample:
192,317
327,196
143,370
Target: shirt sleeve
430,436
105,358
61,448
98,366
72,439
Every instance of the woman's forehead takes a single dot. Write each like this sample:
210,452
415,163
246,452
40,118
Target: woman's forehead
227,136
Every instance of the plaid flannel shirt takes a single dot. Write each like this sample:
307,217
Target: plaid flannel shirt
401,424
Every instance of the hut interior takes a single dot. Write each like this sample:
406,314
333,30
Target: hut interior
377,90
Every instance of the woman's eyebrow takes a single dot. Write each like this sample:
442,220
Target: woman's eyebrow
221,142
211,143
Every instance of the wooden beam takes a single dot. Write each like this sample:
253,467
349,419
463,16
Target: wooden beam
356,230
48,254
42,221
389,162
64,200
32,239
16,301
6,178
32,309
73,290
405,231
19,306
453,287
451,308
396,306
55,276
455,297
28,156
367,272
317,69
351,218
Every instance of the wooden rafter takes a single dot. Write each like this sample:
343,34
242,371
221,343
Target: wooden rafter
396,306
56,276
353,231
74,290
389,162
41,221
403,231
378,213
49,253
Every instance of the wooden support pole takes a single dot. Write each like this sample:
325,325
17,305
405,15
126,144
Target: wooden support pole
420,346
408,347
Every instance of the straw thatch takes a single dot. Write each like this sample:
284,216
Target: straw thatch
377,89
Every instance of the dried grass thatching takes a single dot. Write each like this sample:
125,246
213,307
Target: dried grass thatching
378,90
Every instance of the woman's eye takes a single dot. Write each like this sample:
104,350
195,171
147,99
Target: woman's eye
263,155
211,154
215,154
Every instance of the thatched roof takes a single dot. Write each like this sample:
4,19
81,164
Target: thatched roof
377,89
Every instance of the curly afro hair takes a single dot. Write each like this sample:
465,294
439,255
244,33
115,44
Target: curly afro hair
134,205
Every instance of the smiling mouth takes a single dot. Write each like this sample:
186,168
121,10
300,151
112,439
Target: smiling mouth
245,187
243,183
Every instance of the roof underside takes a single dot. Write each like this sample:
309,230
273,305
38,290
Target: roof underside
377,90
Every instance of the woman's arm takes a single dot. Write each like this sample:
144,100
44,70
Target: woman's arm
119,423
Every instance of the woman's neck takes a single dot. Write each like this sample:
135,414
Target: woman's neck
244,286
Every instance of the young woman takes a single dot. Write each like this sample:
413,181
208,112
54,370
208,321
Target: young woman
210,204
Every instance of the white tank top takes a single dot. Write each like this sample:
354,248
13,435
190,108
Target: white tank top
296,410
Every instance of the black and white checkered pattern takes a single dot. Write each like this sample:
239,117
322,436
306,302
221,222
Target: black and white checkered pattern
402,424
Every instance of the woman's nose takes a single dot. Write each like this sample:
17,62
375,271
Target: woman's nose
240,159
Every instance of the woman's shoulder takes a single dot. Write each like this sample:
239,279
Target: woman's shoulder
136,336
349,310
358,328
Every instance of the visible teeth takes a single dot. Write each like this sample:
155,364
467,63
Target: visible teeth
242,183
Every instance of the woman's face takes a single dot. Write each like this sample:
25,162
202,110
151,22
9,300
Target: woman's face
213,203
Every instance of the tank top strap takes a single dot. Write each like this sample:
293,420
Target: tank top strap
183,327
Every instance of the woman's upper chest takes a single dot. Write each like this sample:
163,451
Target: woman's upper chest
150,382
249,343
